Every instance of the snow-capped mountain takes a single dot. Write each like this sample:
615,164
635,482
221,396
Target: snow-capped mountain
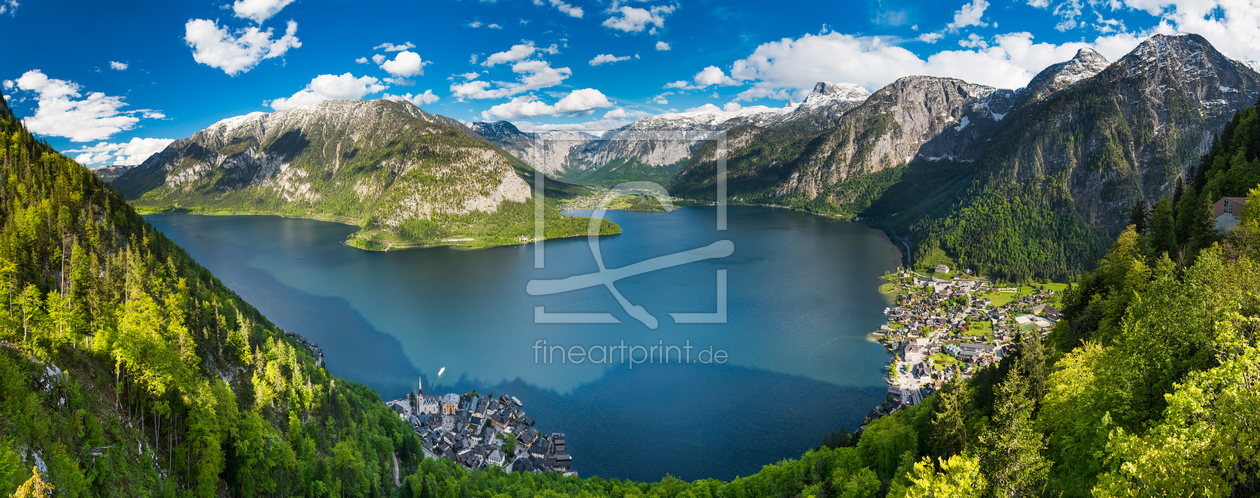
663,139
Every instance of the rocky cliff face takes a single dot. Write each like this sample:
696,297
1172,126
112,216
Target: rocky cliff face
376,163
916,116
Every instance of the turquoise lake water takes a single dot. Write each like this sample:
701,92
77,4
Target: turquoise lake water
802,293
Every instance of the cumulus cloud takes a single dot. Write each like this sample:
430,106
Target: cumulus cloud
420,99
534,75
621,113
660,99
516,53
973,41
61,113
494,26
234,54
576,103
1229,24
560,5
118,66
662,46
635,20
931,37
258,10
8,7
379,59
968,15
390,47
405,64
330,87
788,68
122,154
608,59
362,60
713,75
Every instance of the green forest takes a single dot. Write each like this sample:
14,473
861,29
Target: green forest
127,369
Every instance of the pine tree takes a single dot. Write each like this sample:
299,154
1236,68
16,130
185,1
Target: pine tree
1011,448
1186,210
1137,216
1163,234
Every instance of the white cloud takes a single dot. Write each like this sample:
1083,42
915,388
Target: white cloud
390,47
94,117
576,103
974,41
713,75
607,59
494,26
732,107
419,100
1068,11
553,49
634,19
968,15
379,59
534,75
216,47
119,66
516,53
126,153
405,64
662,46
560,5
677,84
621,113
330,87
660,99
8,7
258,10
8,84
931,37
362,60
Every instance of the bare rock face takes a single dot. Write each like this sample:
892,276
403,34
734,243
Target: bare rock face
1059,77
1129,131
379,160
915,116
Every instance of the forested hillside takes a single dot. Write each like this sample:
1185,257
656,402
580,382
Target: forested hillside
127,369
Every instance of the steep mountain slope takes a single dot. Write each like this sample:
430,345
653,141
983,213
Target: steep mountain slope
127,369
405,176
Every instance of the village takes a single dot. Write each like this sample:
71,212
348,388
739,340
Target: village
950,324
482,431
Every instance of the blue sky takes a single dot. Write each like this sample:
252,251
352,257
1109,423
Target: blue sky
113,82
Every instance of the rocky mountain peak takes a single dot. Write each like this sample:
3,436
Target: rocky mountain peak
1059,77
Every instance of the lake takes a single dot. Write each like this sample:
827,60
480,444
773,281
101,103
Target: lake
791,362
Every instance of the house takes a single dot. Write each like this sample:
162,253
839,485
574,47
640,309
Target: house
942,269
1227,210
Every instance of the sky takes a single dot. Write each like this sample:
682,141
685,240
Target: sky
114,82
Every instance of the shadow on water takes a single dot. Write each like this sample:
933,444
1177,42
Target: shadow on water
347,338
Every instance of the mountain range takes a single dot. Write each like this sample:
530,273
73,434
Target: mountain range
1032,182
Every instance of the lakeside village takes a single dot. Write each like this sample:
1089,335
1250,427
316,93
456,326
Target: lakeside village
478,432
950,324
